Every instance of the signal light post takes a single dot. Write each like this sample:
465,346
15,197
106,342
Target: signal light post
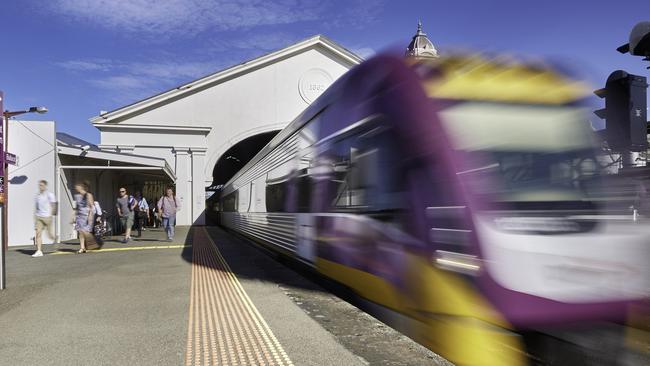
639,44
625,114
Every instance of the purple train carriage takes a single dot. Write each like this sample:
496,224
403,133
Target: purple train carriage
462,193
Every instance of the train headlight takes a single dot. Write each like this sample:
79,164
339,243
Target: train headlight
457,262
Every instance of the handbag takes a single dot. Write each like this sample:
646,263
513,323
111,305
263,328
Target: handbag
141,214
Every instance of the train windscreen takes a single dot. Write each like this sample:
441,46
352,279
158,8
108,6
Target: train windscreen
523,153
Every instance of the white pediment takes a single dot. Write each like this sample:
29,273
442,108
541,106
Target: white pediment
325,48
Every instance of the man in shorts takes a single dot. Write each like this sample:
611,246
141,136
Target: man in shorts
125,210
44,210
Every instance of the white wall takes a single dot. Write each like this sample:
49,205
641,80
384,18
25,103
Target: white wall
34,143
260,101
202,125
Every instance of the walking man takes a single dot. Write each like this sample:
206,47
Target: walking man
168,205
125,210
44,211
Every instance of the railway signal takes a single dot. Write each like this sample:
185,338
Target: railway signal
639,44
625,111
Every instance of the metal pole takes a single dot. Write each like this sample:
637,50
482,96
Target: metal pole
3,222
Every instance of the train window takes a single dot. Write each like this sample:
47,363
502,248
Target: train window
276,190
276,197
304,188
230,202
244,198
365,172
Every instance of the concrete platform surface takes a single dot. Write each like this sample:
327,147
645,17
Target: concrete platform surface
151,302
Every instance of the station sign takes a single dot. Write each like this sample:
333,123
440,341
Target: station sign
11,158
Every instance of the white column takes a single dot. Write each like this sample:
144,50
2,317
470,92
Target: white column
198,188
183,173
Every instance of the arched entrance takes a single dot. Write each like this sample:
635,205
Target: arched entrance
229,163
238,155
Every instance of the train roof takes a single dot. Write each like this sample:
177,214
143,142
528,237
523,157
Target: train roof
457,77
498,79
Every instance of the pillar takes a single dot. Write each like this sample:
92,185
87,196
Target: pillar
198,187
183,171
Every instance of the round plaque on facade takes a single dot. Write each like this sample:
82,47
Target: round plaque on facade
313,83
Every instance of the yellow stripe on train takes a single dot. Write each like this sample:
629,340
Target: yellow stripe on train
498,80
445,313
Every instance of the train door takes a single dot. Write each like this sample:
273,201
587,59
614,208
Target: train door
306,248
305,219
304,188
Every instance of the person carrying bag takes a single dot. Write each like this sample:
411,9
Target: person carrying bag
168,206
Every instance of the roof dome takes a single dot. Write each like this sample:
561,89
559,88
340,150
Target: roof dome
420,45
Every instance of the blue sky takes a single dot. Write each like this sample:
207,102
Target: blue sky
78,57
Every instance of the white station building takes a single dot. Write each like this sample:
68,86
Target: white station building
193,125
189,136
178,137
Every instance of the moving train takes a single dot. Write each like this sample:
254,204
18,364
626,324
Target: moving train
463,192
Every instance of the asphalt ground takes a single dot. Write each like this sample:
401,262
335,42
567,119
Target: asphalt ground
119,307
127,304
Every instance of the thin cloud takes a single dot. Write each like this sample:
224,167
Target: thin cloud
266,41
363,52
173,71
356,14
168,18
165,19
86,65
129,81
165,71
121,82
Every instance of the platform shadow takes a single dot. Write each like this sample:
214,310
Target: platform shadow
27,251
251,260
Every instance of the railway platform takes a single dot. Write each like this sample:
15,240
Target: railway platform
206,298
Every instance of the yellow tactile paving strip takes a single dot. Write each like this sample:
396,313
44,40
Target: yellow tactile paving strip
106,250
224,327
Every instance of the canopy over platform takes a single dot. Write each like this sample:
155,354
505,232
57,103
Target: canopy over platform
106,172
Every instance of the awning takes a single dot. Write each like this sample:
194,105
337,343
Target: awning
78,154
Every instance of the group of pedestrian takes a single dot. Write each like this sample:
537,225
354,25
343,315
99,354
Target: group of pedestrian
134,212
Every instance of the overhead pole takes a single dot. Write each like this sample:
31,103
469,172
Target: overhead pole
3,198
4,173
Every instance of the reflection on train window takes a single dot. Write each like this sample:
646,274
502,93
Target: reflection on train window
365,174
275,196
230,202
511,175
304,185
304,180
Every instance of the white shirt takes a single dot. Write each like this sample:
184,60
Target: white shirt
44,203
144,206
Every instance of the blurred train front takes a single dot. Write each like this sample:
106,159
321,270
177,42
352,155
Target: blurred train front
464,193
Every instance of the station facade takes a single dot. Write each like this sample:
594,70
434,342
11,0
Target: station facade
190,136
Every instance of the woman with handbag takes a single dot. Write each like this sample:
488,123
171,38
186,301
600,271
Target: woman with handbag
84,214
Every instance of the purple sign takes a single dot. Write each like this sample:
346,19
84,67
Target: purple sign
11,158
